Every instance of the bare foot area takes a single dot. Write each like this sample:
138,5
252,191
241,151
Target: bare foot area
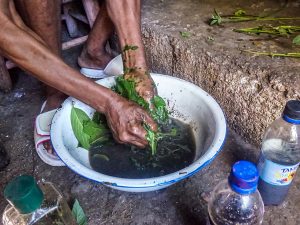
91,60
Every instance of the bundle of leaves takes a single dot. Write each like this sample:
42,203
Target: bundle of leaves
95,131
89,131
156,108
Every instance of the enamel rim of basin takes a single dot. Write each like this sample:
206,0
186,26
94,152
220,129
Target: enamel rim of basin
165,180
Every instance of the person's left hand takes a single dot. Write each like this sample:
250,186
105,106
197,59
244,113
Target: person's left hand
145,86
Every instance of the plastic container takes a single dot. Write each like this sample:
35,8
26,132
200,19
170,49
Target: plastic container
236,200
33,204
280,155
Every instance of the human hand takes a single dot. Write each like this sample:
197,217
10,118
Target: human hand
145,86
126,119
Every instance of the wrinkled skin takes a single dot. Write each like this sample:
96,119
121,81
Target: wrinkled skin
131,120
28,45
145,86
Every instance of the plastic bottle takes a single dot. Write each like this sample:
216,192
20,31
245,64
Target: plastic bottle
280,155
33,204
236,200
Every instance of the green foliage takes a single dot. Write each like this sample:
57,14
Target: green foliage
282,30
296,40
271,30
240,12
95,131
79,214
88,131
152,139
130,47
216,19
185,34
101,156
289,54
78,118
241,16
126,88
158,110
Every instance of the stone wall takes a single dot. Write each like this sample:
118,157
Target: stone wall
251,90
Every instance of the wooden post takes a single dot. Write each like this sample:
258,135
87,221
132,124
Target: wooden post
5,81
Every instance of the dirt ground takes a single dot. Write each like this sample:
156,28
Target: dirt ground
179,204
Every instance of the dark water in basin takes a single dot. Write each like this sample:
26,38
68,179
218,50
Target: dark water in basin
173,154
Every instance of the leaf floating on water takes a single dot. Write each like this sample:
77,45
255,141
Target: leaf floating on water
79,214
101,156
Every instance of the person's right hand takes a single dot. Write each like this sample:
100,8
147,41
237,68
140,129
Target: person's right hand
126,119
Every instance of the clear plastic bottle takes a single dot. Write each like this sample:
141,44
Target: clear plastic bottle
236,200
280,155
33,204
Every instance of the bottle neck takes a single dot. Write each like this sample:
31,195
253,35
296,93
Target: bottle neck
290,120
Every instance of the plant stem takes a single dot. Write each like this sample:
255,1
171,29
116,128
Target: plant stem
255,18
279,30
289,54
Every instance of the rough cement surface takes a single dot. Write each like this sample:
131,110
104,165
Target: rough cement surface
180,204
251,90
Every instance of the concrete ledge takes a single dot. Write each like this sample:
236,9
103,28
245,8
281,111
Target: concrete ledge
251,90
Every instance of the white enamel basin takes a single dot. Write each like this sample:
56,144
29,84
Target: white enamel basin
186,101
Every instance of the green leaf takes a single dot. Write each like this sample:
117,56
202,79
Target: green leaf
97,117
240,12
78,118
126,88
94,130
172,133
100,140
101,156
78,213
216,19
159,112
185,34
296,40
130,47
152,138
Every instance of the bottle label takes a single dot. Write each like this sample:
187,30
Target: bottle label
274,173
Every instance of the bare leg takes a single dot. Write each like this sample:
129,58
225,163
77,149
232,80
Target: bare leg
126,17
94,54
43,17
21,45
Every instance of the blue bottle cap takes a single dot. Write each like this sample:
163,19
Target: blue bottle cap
243,178
291,112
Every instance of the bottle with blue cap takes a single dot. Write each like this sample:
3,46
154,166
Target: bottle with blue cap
236,200
33,204
280,155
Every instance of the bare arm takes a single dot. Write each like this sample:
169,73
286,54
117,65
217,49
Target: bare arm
33,56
